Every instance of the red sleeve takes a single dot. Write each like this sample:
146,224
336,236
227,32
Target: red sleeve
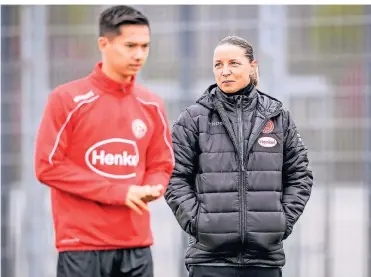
54,169
160,155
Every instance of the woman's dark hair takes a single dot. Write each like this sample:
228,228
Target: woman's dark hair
111,19
249,51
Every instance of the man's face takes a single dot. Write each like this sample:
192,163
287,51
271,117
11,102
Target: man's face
127,52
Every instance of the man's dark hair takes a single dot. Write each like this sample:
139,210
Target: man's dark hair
240,42
111,19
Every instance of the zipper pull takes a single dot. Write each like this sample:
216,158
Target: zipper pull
239,98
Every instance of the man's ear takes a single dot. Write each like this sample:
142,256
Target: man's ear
102,43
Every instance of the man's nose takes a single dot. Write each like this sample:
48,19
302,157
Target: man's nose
139,54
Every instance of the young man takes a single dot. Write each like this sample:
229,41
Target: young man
104,149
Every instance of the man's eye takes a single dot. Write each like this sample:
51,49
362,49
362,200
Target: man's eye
130,45
217,64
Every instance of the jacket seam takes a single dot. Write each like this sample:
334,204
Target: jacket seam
63,127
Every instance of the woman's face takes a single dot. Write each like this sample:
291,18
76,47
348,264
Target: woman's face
232,68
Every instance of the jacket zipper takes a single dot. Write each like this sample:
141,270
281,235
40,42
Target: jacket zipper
242,169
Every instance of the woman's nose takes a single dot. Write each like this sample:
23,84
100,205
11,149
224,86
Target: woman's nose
226,71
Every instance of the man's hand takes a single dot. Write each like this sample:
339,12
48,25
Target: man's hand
138,196
152,193
134,198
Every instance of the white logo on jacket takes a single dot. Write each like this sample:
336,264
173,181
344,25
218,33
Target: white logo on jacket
115,158
85,96
216,123
267,142
139,128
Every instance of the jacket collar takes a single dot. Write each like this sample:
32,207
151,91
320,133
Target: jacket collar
107,85
266,104
248,95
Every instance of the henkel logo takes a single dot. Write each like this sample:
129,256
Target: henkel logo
267,142
114,158
104,158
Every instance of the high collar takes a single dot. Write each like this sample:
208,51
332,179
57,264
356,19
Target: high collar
243,91
265,104
108,85
248,95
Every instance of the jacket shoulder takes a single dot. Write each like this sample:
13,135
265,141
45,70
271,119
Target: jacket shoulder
144,95
268,98
189,117
197,110
286,119
268,103
74,92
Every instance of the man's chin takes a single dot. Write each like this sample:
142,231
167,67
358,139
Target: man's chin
129,73
133,71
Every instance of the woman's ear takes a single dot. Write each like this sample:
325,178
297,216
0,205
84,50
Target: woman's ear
254,64
254,75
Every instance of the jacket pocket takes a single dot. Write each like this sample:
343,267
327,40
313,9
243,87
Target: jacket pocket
285,222
285,226
190,271
198,210
197,221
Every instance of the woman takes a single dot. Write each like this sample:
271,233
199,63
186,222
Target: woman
241,178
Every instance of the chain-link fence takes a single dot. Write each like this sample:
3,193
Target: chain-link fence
317,59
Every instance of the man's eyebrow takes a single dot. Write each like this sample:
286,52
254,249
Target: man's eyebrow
136,43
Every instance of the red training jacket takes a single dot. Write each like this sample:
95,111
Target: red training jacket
96,138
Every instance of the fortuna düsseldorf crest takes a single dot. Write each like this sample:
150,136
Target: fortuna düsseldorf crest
269,127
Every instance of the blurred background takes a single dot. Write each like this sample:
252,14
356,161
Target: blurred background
317,59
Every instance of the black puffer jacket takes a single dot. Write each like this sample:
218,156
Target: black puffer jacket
241,178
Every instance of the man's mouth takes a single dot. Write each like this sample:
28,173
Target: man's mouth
135,65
